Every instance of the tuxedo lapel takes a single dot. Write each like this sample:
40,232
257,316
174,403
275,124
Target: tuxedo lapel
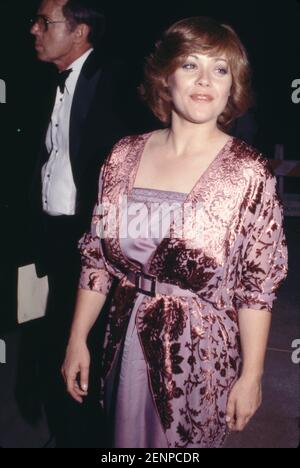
83,98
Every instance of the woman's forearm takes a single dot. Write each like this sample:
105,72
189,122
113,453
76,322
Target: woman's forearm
254,330
88,307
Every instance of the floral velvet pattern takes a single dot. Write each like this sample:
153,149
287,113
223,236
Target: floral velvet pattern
191,342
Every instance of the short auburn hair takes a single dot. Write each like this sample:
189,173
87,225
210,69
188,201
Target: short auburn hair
197,35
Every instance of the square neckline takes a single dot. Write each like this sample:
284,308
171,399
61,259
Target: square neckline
198,181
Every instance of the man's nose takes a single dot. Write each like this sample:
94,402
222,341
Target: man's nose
34,29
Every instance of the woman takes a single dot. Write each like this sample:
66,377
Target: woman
186,299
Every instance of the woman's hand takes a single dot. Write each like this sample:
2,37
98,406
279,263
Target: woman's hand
244,400
76,365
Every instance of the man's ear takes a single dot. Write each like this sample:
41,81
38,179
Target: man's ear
81,33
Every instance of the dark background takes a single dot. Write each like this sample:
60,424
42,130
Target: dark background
270,32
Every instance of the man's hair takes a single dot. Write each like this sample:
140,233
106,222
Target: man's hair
86,12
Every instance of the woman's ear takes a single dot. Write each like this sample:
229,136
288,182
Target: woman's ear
165,82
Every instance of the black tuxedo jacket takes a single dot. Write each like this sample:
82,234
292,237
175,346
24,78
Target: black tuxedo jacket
105,108
97,121
99,118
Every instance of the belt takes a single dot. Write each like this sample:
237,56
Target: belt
150,286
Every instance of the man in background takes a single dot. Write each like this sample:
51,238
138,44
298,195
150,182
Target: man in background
84,121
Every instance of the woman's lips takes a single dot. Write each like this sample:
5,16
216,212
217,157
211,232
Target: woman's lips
202,97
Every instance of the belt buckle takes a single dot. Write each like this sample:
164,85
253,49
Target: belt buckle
152,278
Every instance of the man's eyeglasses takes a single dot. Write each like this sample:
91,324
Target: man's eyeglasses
43,22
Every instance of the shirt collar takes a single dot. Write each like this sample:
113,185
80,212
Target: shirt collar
76,67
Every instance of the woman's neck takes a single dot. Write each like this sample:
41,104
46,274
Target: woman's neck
188,138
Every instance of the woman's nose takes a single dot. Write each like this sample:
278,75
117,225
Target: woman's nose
203,77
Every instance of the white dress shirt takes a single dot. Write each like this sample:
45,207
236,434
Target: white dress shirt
58,187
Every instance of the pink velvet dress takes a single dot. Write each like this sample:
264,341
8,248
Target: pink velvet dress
171,357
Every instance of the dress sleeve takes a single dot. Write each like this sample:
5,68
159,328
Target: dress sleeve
263,264
94,275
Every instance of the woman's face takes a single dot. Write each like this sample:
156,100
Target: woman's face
200,88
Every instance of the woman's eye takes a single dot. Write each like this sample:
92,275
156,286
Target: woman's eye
189,66
222,70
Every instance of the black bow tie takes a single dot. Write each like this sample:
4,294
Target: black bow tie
62,78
